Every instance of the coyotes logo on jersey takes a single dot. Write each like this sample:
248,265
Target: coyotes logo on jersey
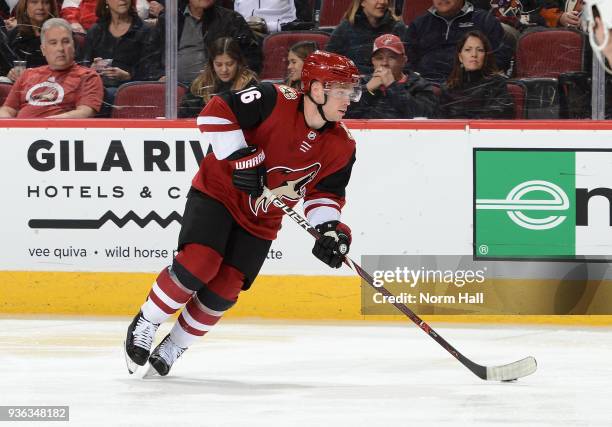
288,184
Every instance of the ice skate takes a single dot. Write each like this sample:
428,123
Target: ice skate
162,358
137,345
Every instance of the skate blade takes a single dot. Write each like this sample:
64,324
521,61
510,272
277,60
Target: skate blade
131,365
150,373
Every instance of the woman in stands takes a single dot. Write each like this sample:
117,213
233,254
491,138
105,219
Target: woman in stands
295,60
24,39
119,35
475,89
362,23
226,70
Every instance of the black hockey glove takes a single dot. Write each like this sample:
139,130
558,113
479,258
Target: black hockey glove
333,244
249,173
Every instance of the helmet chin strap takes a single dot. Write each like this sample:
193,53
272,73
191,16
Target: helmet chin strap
320,108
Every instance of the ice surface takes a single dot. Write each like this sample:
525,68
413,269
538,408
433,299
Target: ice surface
255,373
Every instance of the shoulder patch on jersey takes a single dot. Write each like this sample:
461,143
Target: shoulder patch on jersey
348,133
288,92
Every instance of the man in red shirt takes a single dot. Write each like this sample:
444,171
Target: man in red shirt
61,89
263,135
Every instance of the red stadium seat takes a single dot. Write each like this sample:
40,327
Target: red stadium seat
5,88
517,92
548,53
414,8
332,11
276,46
142,100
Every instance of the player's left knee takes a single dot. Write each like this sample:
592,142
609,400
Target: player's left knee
221,293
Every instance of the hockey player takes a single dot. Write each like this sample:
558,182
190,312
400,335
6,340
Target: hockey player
598,18
265,135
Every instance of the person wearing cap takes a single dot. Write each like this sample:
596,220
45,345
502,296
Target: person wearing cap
391,93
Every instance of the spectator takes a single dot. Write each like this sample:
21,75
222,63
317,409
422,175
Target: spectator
80,13
390,93
200,22
61,89
363,21
24,40
432,37
475,88
6,54
562,13
515,16
119,35
226,70
295,61
155,9
6,9
274,12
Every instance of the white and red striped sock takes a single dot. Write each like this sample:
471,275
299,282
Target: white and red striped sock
195,321
166,297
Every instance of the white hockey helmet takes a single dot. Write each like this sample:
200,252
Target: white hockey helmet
603,10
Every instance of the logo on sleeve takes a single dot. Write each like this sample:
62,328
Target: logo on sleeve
288,92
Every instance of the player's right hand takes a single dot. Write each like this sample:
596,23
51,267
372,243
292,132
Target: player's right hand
249,172
333,244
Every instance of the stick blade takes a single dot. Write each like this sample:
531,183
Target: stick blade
512,371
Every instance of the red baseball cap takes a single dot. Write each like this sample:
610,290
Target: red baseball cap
389,41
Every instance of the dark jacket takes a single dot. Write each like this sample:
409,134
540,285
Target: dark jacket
432,41
217,22
414,97
6,53
27,48
126,51
192,105
477,98
356,41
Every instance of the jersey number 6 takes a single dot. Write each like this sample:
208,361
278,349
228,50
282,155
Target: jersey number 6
250,95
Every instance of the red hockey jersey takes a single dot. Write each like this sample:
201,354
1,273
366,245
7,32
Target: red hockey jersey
301,162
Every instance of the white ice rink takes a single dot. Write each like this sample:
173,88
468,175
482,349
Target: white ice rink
279,374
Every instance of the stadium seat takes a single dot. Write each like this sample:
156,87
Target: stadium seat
549,52
5,88
276,46
414,8
142,100
517,92
332,11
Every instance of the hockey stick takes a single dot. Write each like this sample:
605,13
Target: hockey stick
509,372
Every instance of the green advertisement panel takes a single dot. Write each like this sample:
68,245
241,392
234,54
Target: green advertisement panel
524,204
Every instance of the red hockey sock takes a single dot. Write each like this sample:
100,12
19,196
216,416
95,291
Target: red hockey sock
207,307
166,296
195,321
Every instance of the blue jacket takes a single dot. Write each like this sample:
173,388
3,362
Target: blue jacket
432,40
356,41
